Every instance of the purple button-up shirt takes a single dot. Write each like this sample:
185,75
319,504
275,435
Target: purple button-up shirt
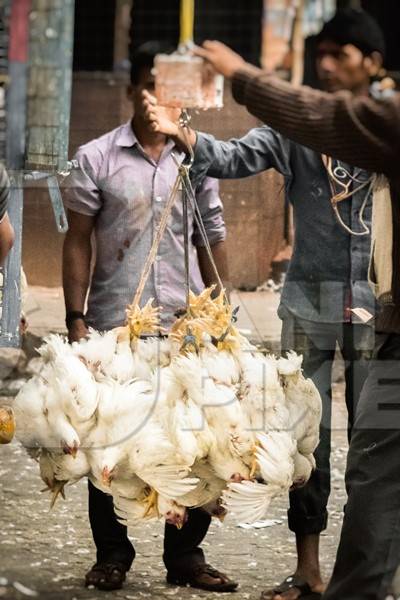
126,191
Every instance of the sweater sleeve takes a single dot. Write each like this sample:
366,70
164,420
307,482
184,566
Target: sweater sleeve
358,130
4,191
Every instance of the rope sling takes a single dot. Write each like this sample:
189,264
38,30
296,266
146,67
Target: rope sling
182,183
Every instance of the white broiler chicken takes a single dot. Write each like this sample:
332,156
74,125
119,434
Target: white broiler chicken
249,501
148,355
182,419
207,492
304,404
222,412
56,408
147,505
121,366
57,470
33,429
262,397
132,444
97,350
304,465
57,418
72,395
221,365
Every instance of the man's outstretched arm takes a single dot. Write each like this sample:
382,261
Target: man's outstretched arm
358,130
260,149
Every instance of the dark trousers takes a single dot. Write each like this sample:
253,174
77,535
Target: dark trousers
317,342
181,547
369,549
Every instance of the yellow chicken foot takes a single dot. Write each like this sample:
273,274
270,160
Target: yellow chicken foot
57,490
152,503
254,462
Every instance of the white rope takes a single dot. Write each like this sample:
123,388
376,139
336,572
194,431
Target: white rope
346,193
199,222
156,242
183,179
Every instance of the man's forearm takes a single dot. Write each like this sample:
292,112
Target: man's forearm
6,238
358,130
76,273
221,261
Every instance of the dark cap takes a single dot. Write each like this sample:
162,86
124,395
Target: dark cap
356,27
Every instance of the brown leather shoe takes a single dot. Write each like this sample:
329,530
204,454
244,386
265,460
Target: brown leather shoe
203,577
106,576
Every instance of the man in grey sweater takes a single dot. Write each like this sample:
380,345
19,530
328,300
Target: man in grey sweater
327,276
364,131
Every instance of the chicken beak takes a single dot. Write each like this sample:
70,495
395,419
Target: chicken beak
222,517
181,520
71,450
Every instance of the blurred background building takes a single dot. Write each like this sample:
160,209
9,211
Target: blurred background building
264,31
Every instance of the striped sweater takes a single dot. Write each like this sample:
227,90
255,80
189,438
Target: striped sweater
358,130
4,191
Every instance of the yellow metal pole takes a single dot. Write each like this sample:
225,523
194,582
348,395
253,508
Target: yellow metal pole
298,45
187,21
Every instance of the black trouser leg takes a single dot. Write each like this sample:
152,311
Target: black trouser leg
369,549
181,546
110,537
357,346
316,342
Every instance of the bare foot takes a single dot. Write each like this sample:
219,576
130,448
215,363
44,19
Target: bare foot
293,593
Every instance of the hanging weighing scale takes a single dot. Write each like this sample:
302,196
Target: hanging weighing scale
183,80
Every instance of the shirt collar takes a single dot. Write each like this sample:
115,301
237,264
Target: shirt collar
127,138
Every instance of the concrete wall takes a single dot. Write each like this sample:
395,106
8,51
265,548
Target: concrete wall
254,207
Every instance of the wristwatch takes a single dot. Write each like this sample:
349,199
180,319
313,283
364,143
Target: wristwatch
73,315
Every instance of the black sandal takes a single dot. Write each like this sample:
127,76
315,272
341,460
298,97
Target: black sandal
106,576
201,577
290,583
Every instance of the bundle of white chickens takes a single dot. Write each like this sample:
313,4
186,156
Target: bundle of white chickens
199,418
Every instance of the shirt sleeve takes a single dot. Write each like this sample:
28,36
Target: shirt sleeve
4,191
211,210
262,148
361,131
81,192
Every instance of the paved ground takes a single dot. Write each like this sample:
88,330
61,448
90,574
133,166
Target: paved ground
45,554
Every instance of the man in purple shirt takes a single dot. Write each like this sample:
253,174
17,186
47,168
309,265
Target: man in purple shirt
118,196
